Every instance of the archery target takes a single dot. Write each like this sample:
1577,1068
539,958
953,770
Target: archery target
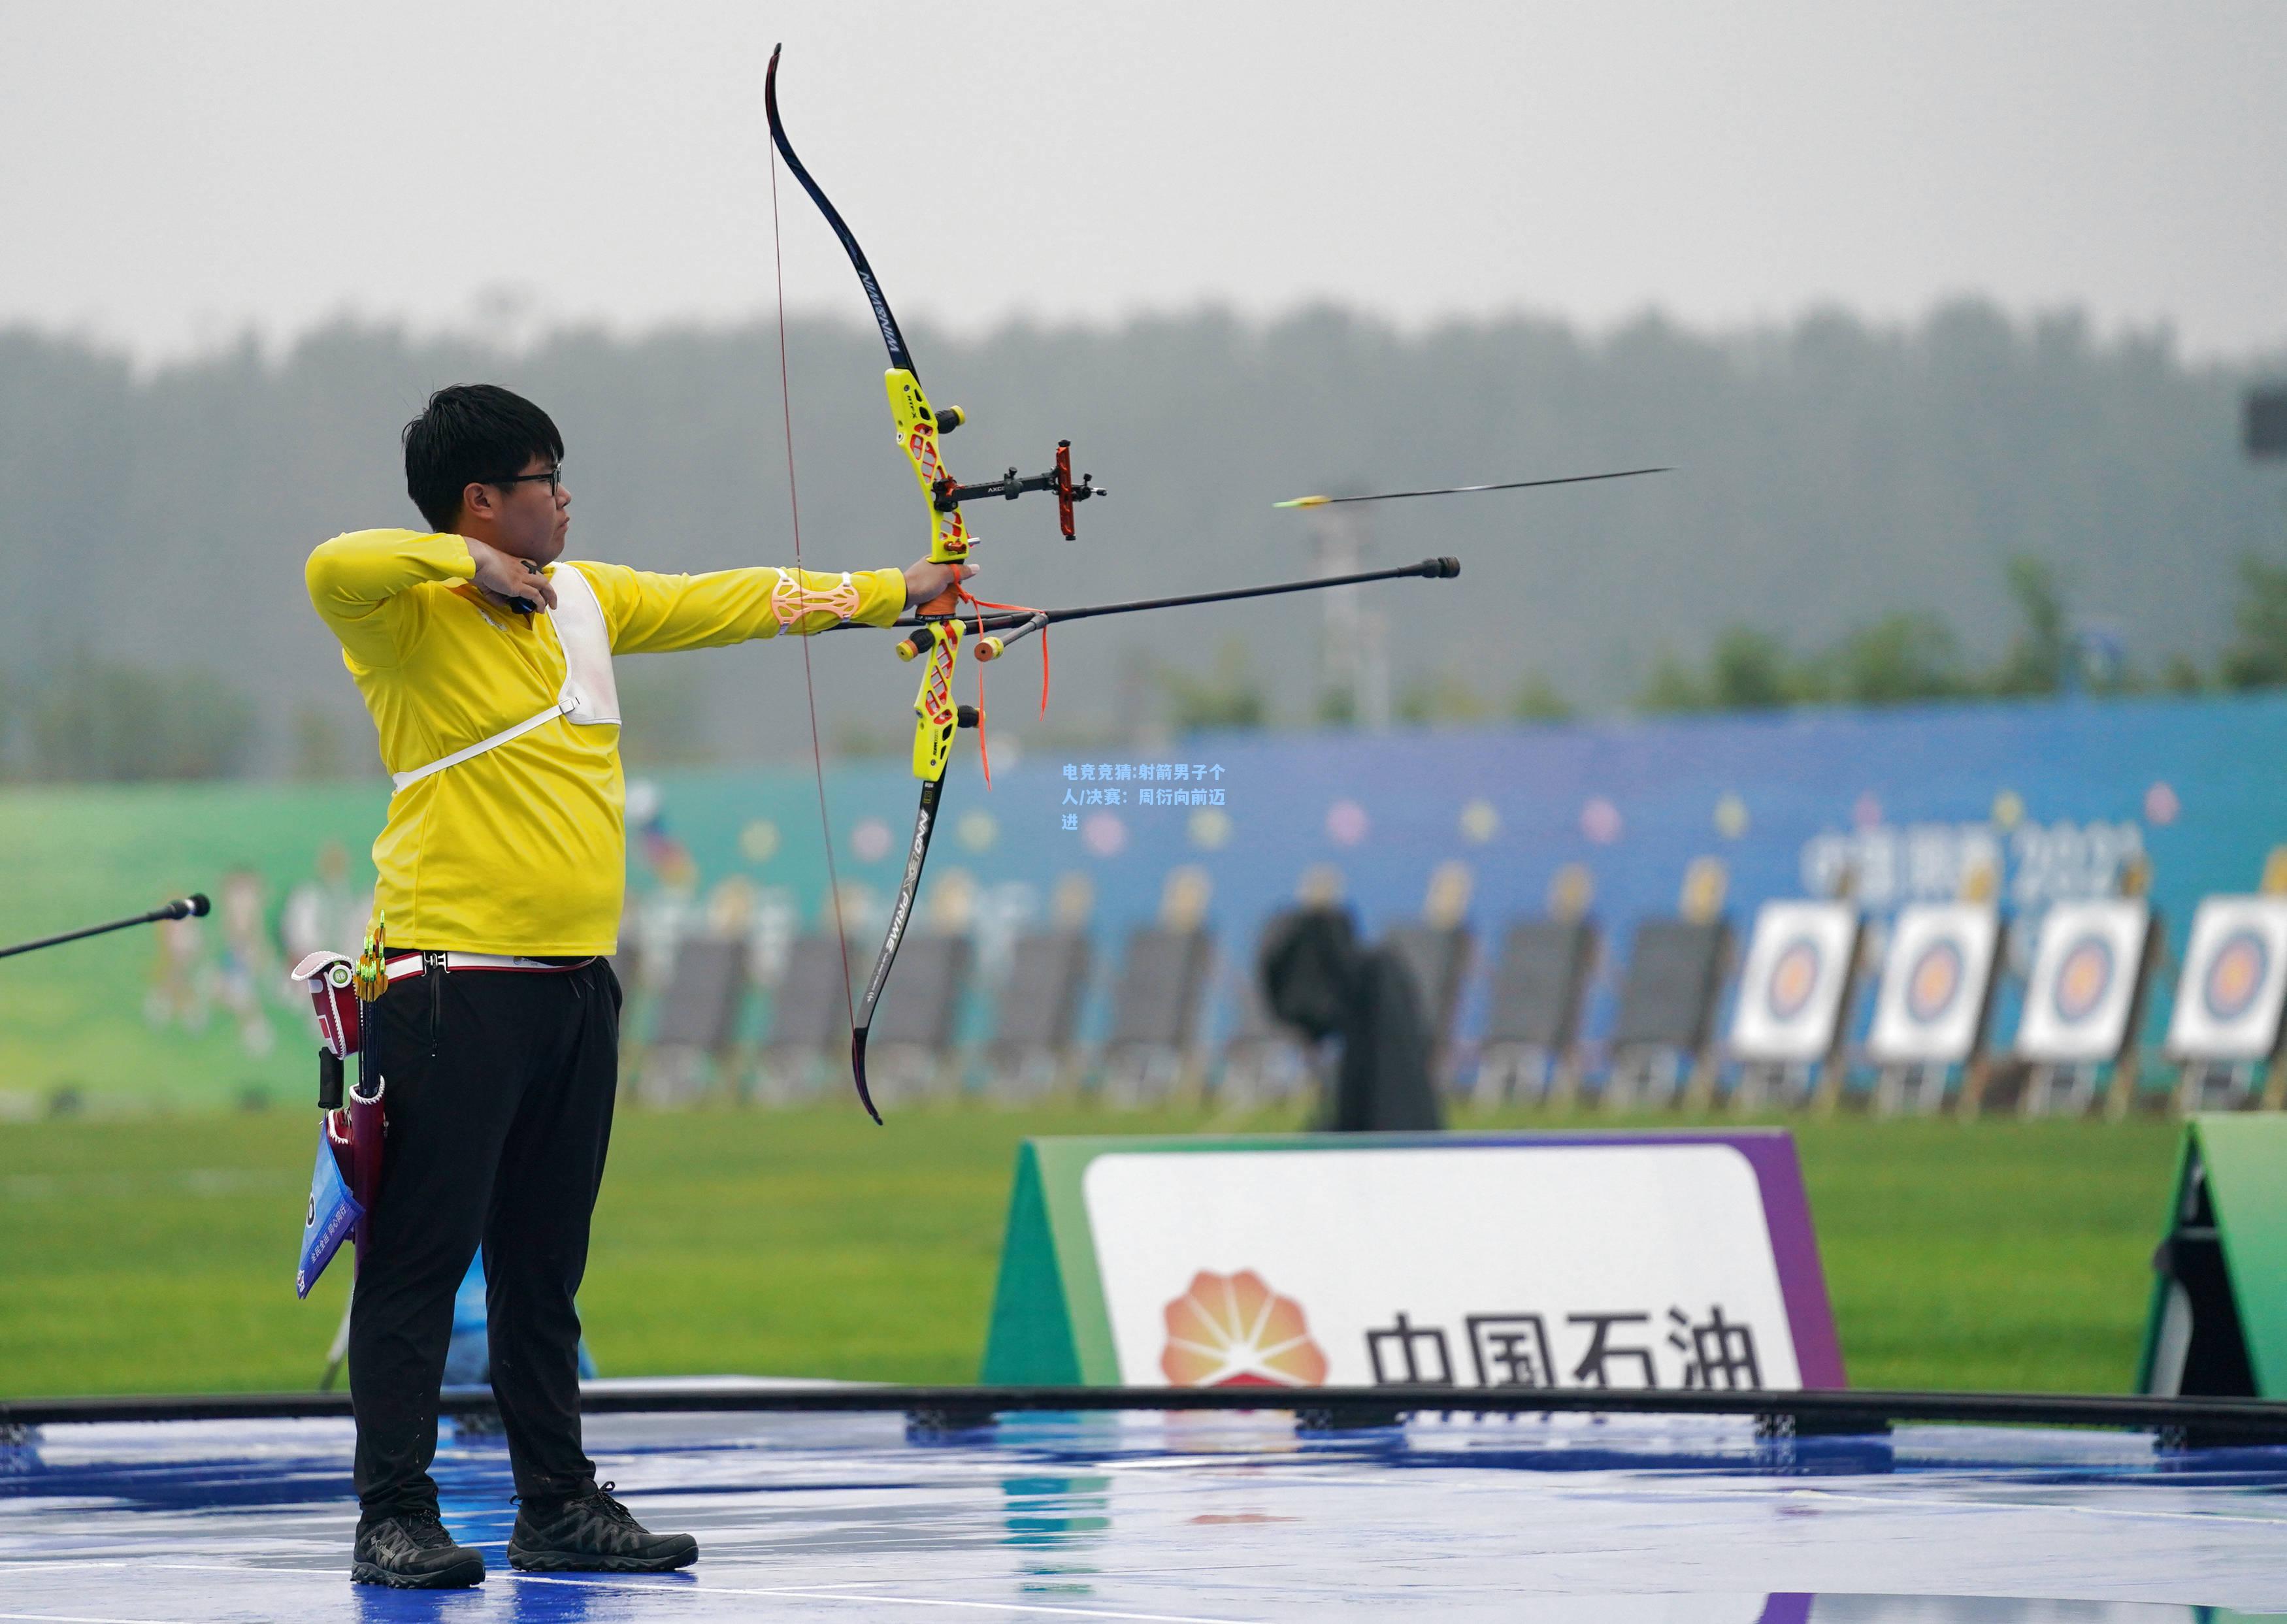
1797,982
1933,982
2235,981
2083,980
2083,987
2241,966
1931,1008
1793,978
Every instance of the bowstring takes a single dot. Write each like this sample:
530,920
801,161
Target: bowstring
809,684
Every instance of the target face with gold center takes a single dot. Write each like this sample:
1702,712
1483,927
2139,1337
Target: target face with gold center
2235,975
1794,979
1933,982
2083,980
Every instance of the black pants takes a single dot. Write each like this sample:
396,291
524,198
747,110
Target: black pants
500,1089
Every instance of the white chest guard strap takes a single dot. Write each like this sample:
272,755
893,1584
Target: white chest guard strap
588,698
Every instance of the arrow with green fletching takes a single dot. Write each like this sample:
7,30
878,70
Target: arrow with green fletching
1456,490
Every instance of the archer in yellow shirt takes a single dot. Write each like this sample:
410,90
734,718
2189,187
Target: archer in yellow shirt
486,664
522,849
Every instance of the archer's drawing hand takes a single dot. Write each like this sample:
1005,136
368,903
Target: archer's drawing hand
504,577
925,581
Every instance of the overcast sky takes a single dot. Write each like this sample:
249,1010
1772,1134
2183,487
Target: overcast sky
178,173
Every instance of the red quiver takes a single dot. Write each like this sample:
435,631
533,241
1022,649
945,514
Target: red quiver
367,1126
329,978
355,1126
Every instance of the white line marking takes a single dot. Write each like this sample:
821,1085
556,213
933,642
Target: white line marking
902,1601
681,1588
80,1617
2039,1505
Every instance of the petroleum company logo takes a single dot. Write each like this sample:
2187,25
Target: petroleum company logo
1232,1330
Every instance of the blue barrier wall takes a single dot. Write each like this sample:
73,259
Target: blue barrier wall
2054,796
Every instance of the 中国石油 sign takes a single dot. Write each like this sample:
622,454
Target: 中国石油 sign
1584,1259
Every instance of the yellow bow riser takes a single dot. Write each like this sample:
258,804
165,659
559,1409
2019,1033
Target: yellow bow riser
935,715
918,427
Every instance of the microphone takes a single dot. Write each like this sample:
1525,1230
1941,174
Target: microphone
193,906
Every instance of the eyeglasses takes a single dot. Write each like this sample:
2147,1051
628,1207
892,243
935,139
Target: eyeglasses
553,478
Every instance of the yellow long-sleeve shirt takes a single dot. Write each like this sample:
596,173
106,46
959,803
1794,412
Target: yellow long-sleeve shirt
522,849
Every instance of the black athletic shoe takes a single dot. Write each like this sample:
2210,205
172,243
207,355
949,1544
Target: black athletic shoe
592,1533
412,1551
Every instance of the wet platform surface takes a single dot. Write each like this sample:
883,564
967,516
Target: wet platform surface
1188,1517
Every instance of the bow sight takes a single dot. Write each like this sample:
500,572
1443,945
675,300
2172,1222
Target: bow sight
945,496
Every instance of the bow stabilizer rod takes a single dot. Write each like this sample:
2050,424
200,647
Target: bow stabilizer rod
1034,620
1462,490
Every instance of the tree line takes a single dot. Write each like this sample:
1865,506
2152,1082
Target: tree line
1972,503
1904,657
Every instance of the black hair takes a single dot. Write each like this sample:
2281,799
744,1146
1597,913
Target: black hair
472,434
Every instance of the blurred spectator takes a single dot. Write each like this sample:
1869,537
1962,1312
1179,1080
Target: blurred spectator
177,996
1318,979
249,966
325,912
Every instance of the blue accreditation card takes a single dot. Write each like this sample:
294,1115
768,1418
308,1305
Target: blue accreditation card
333,1212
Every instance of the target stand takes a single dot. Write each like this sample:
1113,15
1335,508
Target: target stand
2083,1004
2225,1030
2223,1086
1761,1085
1932,1006
2067,1088
1794,1004
1911,1091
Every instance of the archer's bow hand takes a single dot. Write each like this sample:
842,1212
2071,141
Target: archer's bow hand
926,582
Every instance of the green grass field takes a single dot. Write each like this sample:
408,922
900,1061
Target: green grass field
156,1254
72,1020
